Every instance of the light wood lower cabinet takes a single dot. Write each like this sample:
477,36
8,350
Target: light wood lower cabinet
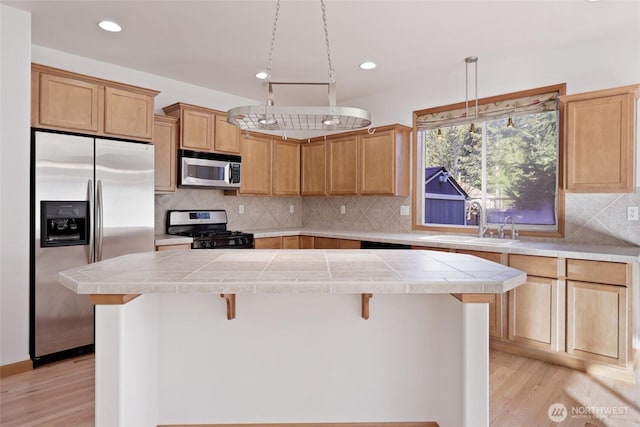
277,242
599,311
185,246
330,243
535,311
536,308
597,321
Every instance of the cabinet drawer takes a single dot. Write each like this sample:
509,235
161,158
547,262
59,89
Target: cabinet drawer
614,273
535,265
268,243
489,256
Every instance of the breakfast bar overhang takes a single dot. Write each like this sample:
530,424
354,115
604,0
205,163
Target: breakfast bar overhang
299,336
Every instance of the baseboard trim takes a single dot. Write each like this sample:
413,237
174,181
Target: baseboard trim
385,424
15,368
563,359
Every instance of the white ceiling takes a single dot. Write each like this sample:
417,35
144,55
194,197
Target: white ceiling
222,44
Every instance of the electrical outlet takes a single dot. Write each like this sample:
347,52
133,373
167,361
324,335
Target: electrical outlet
241,209
404,210
343,209
292,209
632,213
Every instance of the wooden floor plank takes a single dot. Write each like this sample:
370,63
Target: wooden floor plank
521,391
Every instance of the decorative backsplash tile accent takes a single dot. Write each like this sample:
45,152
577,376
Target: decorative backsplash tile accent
589,218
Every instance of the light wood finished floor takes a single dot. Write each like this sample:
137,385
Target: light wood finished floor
521,390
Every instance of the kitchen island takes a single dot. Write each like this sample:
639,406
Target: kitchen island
331,336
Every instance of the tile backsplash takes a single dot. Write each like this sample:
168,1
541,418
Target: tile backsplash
589,218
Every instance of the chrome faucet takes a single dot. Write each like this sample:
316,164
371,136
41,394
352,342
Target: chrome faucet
477,207
514,231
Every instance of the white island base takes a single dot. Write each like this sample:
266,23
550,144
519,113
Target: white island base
176,360
299,349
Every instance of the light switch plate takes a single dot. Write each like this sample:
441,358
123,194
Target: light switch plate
632,213
292,209
404,210
241,209
343,209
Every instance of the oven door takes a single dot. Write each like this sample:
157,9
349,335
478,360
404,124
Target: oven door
198,172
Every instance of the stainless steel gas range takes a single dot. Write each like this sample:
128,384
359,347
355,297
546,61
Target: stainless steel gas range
208,228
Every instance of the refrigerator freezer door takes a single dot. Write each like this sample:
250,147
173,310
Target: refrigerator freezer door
124,198
60,319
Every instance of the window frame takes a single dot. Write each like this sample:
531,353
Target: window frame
418,156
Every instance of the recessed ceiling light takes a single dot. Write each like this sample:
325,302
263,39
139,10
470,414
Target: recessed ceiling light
262,75
110,26
368,65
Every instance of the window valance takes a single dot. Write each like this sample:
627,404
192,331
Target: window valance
490,111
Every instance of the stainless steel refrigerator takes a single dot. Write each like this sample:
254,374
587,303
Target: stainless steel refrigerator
91,199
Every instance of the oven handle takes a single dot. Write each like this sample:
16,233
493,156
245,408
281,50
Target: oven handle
89,250
99,213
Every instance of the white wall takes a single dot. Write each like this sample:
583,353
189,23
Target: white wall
15,81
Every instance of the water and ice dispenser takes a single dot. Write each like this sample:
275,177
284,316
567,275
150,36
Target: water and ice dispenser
64,223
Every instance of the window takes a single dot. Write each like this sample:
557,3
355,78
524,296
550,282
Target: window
509,163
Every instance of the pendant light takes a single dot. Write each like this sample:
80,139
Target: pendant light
510,121
471,60
301,118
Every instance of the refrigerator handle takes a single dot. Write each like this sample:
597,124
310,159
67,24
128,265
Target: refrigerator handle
89,249
99,228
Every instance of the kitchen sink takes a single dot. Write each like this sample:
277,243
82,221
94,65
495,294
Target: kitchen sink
452,238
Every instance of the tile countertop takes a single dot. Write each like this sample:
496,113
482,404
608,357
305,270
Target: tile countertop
523,247
292,271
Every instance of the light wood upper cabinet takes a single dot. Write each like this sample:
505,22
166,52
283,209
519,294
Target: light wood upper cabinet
384,162
64,100
196,130
600,140
227,136
256,165
204,129
366,164
313,163
285,168
128,113
342,166
68,103
165,139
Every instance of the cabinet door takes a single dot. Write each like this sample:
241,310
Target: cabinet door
343,166
290,242
377,164
307,242
536,313
325,243
165,137
314,170
597,322
348,244
227,136
286,168
128,114
69,103
196,129
600,144
268,243
256,165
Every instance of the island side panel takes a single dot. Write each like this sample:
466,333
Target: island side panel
296,358
126,363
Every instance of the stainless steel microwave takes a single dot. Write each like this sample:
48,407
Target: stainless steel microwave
208,170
